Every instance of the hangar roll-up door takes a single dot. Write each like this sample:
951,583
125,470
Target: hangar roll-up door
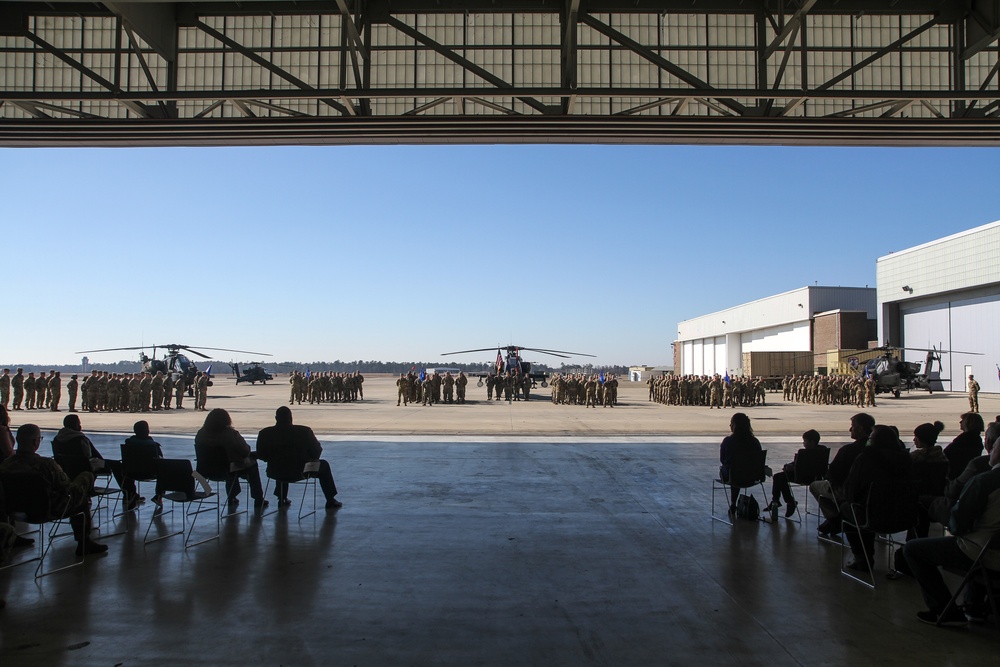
967,325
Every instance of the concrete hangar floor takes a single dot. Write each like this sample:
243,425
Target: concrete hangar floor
565,548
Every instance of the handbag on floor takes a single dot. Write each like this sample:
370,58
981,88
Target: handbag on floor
747,507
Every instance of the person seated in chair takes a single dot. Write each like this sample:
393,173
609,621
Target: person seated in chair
287,448
67,497
142,439
974,520
780,481
967,446
218,431
741,444
883,460
829,492
925,447
939,507
70,441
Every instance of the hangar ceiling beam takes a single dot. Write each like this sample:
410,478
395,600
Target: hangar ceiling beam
155,22
269,66
790,29
462,61
659,61
878,55
568,51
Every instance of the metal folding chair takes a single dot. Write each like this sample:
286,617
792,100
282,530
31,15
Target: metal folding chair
890,508
307,478
745,472
175,481
27,499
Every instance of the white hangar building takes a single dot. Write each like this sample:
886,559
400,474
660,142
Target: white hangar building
946,293
803,320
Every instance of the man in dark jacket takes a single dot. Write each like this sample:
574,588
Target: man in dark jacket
287,449
830,492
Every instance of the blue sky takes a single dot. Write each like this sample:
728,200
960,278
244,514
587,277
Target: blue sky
403,253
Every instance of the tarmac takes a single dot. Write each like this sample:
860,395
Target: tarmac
486,534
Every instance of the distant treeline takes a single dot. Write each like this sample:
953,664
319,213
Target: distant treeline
393,367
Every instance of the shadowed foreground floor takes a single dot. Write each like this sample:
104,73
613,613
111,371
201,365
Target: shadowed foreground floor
558,552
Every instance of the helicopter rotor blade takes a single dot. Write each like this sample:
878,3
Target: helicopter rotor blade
483,349
558,352
190,348
111,349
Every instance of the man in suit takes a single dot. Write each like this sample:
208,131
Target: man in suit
287,448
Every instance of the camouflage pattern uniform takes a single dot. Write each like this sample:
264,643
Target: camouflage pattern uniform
17,384
179,388
5,387
29,391
72,387
460,384
168,390
55,390
973,394
402,390
156,389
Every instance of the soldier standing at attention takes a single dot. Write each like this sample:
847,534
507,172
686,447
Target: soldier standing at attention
156,388
201,394
145,392
5,388
168,390
973,394
460,383
29,391
449,387
17,384
402,390
71,388
41,386
428,391
55,390
179,388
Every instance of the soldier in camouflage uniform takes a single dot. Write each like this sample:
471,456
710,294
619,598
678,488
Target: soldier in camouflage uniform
72,387
146,392
461,382
156,390
179,388
168,390
973,394
428,391
55,390
5,388
66,497
17,386
41,386
448,386
114,393
201,392
402,390
29,391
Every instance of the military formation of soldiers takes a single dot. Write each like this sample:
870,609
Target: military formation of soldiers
433,388
829,390
704,390
508,386
101,391
587,390
325,387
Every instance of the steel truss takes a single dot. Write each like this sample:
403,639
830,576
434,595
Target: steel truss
413,71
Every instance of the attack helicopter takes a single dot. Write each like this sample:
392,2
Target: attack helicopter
253,372
173,362
513,362
894,375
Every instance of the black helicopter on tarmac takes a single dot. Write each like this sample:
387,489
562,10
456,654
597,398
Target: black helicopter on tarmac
253,372
173,362
893,375
513,362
